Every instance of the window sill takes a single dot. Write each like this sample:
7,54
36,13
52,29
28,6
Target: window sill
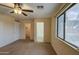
77,49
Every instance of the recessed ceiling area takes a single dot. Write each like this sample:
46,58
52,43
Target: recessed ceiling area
41,10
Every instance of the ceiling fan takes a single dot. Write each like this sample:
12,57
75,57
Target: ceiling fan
18,9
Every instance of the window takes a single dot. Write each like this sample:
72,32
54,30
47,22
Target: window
60,25
68,25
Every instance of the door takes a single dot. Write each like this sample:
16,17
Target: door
40,31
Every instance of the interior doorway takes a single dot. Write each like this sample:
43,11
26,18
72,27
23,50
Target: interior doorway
28,31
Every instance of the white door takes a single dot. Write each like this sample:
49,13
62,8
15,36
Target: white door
40,31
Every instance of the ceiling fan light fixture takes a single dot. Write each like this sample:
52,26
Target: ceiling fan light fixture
17,11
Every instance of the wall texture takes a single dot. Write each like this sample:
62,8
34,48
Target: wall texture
60,47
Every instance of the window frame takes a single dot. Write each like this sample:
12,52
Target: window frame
58,27
64,13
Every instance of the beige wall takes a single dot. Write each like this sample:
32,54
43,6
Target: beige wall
47,29
60,47
22,31
9,30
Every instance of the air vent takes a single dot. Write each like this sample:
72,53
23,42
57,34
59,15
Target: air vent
40,7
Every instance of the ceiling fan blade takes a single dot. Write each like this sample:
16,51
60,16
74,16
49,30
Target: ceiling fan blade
24,14
12,12
27,10
6,6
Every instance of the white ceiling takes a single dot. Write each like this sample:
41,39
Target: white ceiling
46,12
